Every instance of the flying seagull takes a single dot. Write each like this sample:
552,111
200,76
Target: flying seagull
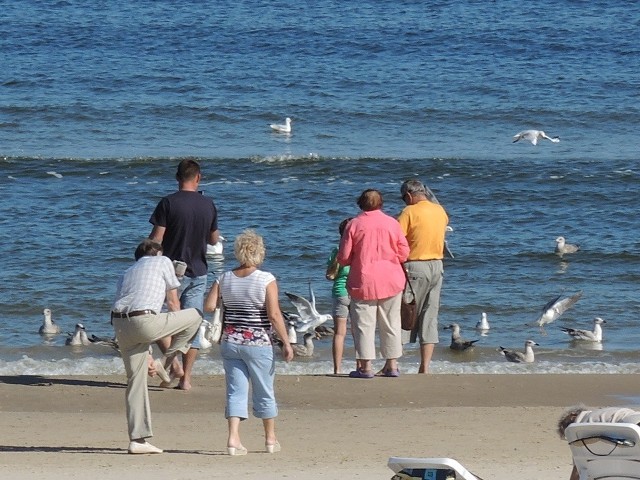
554,309
586,335
309,316
519,357
533,136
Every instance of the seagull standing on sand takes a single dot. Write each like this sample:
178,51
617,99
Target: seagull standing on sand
554,309
483,323
519,357
457,342
309,316
286,128
563,247
533,136
78,337
586,335
48,327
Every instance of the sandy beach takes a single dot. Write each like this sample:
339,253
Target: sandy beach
497,426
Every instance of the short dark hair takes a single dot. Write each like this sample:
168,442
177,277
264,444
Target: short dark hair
343,225
369,200
147,248
187,170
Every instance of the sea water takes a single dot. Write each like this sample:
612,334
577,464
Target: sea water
99,104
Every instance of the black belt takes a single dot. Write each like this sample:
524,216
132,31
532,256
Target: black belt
135,313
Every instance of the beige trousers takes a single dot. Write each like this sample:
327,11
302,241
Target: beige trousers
134,336
365,314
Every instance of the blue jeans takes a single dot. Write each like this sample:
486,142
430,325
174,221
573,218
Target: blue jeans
245,364
191,293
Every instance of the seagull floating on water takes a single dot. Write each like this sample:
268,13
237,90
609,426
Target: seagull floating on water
107,342
286,128
533,136
563,247
519,357
48,327
554,309
457,342
483,323
306,349
586,335
309,316
78,337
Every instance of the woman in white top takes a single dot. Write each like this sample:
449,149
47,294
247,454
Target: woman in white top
251,311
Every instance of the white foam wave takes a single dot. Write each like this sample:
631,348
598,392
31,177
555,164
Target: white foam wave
207,366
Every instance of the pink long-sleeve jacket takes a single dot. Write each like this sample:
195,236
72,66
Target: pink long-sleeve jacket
375,247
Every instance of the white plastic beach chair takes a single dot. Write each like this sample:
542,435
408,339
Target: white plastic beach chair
605,451
429,469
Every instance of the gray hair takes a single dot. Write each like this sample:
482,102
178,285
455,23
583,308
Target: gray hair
414,187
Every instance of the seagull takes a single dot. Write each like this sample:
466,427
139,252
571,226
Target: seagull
457,342
204,332
533,136
48,327
562,247
554,309
586,335
286,128
305,350
217,248
519,357
324,331
309,316
483,323
78,337
290,321
108,342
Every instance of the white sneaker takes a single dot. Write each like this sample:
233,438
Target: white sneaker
141,448
161,372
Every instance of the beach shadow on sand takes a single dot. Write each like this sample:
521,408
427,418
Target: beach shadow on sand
41,381
90,450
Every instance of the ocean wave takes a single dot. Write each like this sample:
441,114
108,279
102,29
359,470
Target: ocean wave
113,366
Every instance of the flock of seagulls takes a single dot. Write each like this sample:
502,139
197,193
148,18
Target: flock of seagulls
532,136
553,310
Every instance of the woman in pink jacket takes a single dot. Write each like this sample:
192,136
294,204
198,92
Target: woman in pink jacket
374,246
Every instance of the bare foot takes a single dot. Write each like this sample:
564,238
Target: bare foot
183,385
